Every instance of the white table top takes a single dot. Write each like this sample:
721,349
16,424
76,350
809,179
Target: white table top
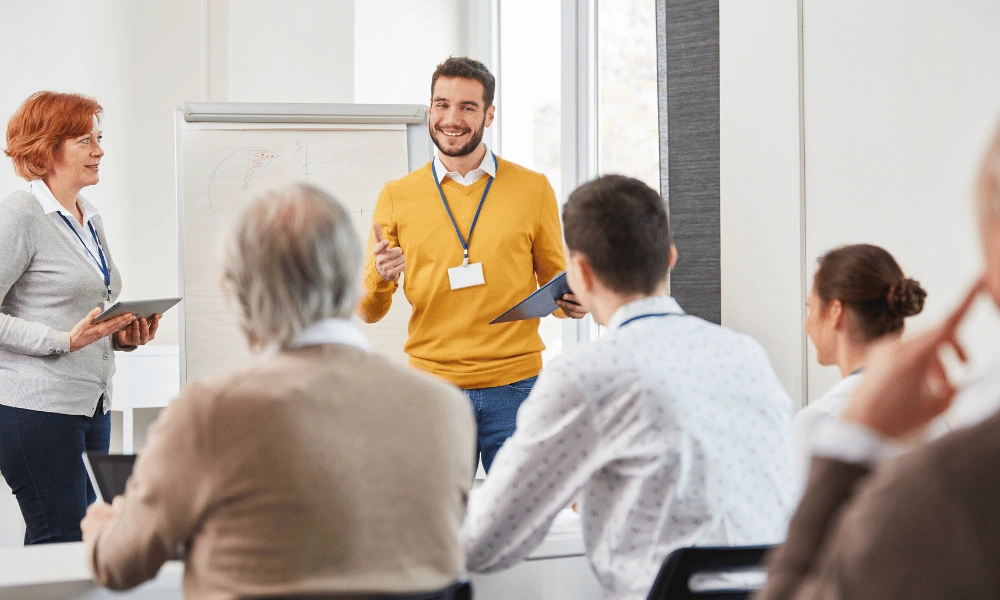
59,570
51,571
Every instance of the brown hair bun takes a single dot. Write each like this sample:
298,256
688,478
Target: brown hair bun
906,298
869,283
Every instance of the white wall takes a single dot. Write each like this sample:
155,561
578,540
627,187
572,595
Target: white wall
899,100
397,44
759,151
163,61
292,51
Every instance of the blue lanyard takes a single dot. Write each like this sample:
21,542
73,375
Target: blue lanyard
857,371
465,241
646,316
102,264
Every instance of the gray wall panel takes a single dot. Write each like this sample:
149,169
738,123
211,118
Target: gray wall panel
688,67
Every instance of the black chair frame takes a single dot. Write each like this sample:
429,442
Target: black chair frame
461,590
672,581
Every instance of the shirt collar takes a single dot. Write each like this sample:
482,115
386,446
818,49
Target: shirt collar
488,167
332,331
845,385
644,306
50,205
327,331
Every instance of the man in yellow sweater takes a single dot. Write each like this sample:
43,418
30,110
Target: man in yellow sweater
475,235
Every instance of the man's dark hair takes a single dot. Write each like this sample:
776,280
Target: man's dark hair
620,225
467,68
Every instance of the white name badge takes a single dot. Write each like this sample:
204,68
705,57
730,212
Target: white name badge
466,276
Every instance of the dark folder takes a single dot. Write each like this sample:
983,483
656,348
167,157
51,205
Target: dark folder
540,304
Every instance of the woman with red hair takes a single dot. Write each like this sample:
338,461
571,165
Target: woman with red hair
56,273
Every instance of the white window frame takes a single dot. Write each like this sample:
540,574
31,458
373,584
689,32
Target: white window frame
578,102
579,121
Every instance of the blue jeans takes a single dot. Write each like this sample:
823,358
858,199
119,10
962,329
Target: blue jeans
496,415
40,458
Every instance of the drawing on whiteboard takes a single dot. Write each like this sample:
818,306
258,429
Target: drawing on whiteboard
259,157
242,174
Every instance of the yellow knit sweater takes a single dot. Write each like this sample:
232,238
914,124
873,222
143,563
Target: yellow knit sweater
517,239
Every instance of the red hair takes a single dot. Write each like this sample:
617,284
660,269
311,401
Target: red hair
41,123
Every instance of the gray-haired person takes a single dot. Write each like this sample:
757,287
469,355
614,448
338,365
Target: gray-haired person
322,468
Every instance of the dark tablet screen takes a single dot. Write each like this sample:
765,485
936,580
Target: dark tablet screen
110,472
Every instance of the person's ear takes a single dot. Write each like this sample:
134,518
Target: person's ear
835,312
490,115
673,256
587,277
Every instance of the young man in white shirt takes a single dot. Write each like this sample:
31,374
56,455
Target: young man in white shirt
669,431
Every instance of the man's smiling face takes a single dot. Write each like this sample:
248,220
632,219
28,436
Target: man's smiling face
458,115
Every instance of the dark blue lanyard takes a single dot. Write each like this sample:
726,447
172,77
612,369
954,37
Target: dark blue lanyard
465,241
857,371
637,317
102,264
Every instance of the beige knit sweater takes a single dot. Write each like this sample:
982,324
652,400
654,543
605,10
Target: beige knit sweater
322,470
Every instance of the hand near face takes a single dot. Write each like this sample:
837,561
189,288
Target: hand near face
389,262
571,306
905,386
139,332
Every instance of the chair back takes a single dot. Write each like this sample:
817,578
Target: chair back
460,590
673,581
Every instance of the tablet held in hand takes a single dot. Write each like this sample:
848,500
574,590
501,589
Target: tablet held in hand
142,309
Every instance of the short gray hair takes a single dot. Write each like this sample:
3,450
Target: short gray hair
290,259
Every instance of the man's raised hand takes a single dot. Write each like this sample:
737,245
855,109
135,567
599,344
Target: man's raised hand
389,261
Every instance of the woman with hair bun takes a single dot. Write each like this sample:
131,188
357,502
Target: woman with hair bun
859,298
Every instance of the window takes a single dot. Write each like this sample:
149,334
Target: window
628,130
528,108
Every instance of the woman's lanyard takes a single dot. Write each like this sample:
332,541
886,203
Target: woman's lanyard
646,316
101,264
464,241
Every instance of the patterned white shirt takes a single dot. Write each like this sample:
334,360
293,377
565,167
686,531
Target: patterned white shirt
669,431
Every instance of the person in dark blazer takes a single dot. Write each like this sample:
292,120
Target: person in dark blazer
926,524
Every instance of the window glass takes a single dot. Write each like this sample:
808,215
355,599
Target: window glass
628,126
528,106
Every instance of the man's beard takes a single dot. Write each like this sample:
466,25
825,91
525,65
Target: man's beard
469,148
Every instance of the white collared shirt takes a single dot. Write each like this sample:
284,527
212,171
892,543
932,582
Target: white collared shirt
333,331
51,207
669,431
976,401
810,419
487,167
327,331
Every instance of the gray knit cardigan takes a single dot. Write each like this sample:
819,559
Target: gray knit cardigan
47,287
